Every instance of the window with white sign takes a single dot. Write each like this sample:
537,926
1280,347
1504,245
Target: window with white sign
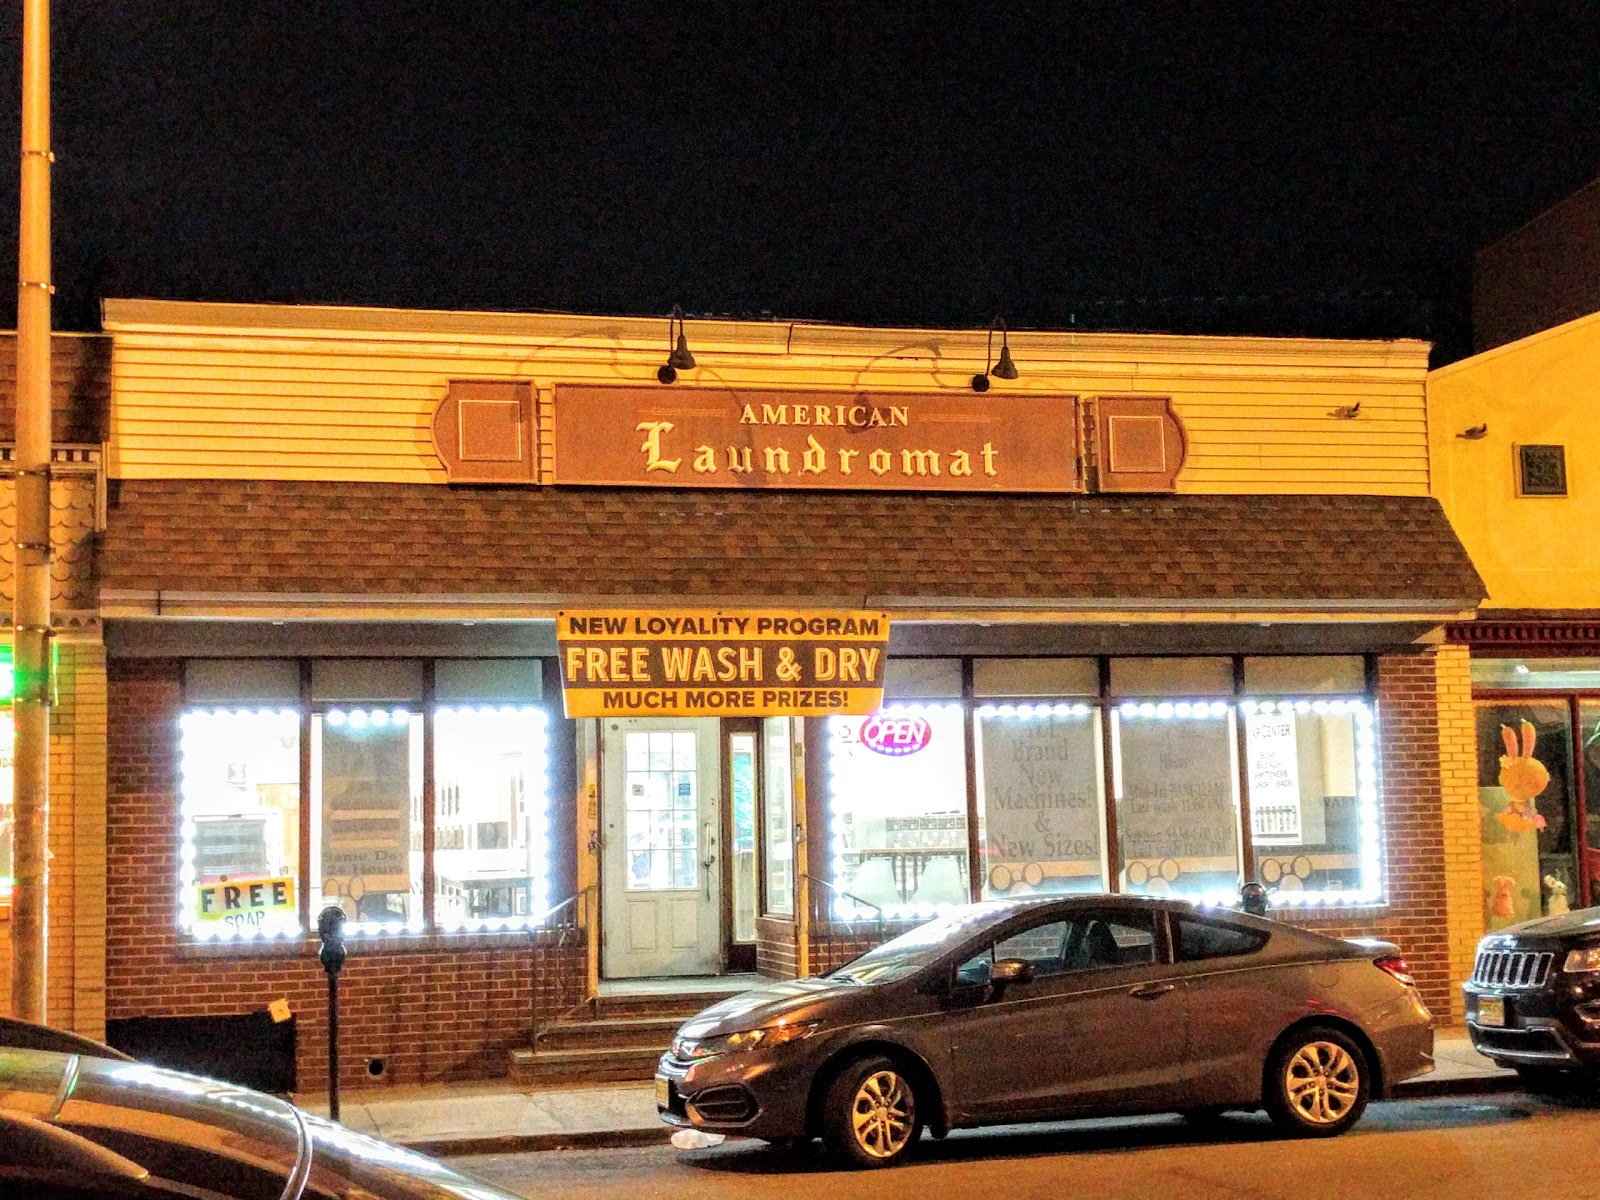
1041,806
1311,766
366,816
1175,777
898,811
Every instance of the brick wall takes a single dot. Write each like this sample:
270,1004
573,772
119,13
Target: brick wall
776,952
1459,813
431,1013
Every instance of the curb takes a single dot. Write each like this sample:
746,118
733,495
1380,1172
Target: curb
529,1143
1425,1088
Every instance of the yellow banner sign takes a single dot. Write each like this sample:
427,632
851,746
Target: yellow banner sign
244,902
704,663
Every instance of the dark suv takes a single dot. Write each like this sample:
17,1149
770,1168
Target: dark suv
1533,1001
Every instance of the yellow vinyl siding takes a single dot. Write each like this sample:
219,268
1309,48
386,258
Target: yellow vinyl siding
1532,551
263,392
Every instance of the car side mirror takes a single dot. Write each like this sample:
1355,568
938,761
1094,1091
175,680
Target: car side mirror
1011,970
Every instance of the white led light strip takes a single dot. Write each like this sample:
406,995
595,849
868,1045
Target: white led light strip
845,786
208,736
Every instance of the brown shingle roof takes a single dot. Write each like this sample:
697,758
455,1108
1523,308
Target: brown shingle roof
400,539
80,387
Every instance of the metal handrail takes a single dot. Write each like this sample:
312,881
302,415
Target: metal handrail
839,891
566,931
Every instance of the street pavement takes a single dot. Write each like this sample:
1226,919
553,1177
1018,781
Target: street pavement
496,1116
1503,1147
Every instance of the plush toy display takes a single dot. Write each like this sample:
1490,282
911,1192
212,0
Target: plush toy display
1557,904
1502,902
1523,777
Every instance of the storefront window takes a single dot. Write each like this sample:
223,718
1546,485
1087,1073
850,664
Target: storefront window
491,819
1313,833
742,764
1527,808
1543,674
779,824
1589,740
1176,782
1040,811
366,816
241,766
240,810
898,810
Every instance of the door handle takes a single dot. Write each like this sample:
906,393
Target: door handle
1149,991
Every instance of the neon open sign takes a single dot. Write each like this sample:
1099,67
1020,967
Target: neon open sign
895,736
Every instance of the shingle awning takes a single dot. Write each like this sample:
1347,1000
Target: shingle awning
564,546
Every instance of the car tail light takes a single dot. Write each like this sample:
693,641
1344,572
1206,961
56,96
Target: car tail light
1393,964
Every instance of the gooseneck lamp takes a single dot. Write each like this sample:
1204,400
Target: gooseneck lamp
1004,368
678,356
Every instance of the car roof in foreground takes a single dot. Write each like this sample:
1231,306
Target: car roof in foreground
41,1085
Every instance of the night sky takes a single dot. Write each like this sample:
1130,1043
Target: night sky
1318,167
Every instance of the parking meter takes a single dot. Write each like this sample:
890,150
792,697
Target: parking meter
1253,899
330,928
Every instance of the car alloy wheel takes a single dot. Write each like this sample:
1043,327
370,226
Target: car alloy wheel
1319,1083
871,1113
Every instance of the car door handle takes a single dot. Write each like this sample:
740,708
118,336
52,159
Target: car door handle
1149,991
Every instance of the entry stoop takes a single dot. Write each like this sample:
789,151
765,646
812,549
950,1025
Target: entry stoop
618,1036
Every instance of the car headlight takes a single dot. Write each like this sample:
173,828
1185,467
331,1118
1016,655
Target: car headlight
738,1043
1579,961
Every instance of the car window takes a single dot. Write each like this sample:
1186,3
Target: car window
907,954
1084,942
1043,946
1124,939
1197,940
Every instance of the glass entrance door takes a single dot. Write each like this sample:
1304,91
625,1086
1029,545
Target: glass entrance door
661,880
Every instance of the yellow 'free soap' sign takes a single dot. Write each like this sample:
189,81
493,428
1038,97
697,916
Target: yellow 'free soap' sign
244,903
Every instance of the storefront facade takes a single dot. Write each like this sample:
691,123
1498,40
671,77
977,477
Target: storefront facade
1514,451
1162,615
75,907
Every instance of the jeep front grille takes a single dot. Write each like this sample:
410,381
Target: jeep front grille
1513,968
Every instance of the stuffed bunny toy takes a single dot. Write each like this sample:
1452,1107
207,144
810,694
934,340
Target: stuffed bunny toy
1503,901
1557,903
1523,777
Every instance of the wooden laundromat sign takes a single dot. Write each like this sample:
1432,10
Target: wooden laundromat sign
721,663
738,437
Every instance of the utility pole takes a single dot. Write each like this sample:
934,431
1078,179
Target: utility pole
31,610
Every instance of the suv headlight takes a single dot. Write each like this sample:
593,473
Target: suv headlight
738,1043
1579,961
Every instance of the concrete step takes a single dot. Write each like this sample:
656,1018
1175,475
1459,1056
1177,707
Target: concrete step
611,1064
609,1033
680,1007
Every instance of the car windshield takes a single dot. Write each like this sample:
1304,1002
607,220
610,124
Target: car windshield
911,951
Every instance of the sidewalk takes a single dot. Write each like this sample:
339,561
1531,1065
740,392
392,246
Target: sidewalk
494,1116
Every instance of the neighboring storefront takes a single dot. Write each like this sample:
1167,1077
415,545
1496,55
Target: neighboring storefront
1163,614
75,980
1515,450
